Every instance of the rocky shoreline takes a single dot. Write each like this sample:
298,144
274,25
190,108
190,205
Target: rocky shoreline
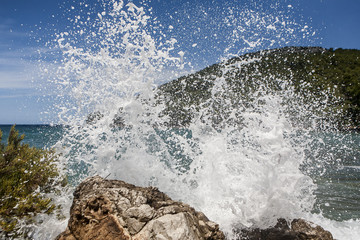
113,209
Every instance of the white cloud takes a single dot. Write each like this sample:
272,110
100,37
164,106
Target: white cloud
17,93
15,72
14,69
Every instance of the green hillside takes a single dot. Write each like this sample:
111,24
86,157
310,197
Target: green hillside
325,76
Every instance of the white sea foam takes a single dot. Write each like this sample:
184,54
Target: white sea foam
238,176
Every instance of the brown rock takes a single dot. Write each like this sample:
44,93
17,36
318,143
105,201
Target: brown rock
112,209
310,230
299,229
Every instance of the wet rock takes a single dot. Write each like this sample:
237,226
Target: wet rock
299,229
112,209
94,117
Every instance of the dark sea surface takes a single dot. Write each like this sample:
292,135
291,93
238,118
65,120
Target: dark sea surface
338,193
41,136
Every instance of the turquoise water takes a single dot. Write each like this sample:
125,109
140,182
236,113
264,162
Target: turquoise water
337,172
41,136
338,193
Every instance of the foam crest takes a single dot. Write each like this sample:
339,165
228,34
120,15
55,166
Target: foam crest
251,176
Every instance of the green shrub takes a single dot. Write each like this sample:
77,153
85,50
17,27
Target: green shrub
26,174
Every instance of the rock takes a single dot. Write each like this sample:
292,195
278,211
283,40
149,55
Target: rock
310,230
118,120
299,229
112,209
94,117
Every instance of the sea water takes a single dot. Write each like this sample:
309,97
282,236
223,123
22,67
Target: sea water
40,136
337,194
259,162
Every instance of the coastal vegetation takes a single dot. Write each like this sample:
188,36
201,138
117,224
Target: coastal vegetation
26,175
326,77
315,74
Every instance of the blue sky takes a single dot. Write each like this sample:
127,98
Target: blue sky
26,26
